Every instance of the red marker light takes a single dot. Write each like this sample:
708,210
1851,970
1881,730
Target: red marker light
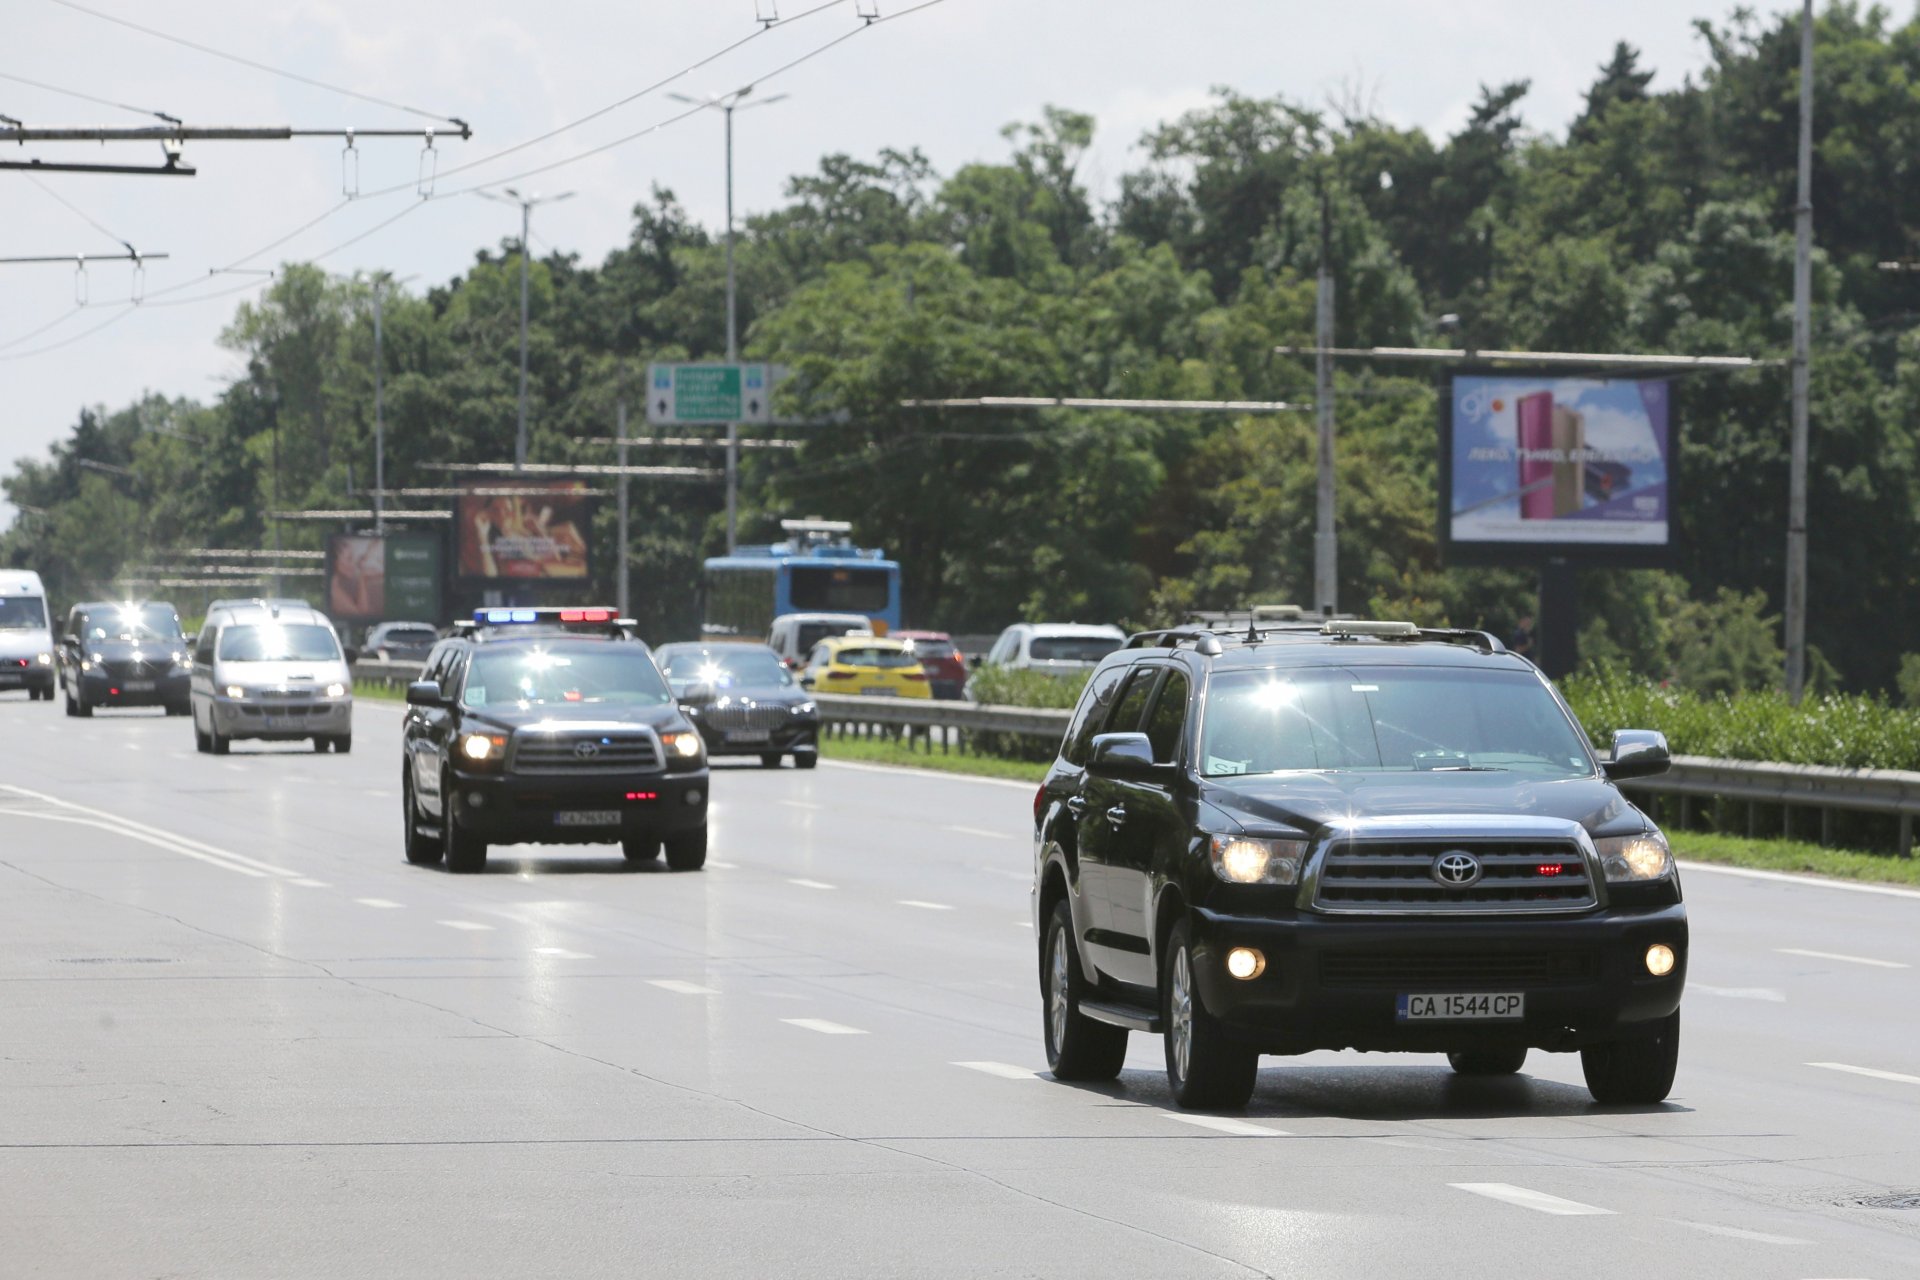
1550,868
596,615
572,615
643,795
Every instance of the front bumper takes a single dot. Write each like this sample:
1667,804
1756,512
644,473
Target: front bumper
509,809
35,675
282,721
110,689
802,734
1335,983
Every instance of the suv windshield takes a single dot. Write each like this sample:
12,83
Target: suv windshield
723,669
1388,719
22,613
534,675
1071,648
276,642
135,622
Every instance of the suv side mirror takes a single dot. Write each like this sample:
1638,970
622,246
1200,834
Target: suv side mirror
425,693
1122,755
1637,753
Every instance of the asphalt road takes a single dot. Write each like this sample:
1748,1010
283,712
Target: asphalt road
240,1037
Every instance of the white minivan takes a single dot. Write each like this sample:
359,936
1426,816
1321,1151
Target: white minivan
26,635
270,670
793,635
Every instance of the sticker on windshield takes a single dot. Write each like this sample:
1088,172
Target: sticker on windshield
1216,767
1366,688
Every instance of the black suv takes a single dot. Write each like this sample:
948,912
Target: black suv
549,726
1364,835
117,653
744,700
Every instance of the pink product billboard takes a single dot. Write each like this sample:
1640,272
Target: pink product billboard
1546,463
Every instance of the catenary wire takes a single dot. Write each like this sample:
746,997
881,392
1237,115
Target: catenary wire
82,214
84,97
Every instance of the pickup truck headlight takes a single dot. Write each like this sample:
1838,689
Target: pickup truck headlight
1635,858
1249,860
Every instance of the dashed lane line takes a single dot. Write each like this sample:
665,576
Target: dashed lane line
1005,1070
722,866
1738,1233
680,987
802,804
464,924
158,837
1767,994
983,833
307,883
561,953
1538,1201
810,884
1843,959
824,1027
925,906
1228,1126
380,904
1872,1073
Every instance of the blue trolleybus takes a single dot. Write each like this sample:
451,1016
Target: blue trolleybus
817,570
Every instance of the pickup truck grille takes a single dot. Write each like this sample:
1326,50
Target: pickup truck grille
1398,877
1418,970
735,717
585,751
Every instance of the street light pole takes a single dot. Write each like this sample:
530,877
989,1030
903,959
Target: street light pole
1326,547
380,285
1796,603
727,104
526,204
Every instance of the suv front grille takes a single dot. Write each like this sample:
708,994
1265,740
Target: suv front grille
1458,970
1390,877
584,751
735,717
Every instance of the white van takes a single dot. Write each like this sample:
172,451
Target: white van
270,670
26,636
793,635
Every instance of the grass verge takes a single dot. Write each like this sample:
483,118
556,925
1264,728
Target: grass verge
1794,855
886,751
382,692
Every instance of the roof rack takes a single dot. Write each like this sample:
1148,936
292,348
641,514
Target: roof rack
1355,629
1204,641
1207,640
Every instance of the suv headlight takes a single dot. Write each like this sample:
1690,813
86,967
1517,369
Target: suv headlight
805,708
482,750
235,691
683,749
1249,860
1640,857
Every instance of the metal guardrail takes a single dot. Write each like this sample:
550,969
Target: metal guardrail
955,717
391,674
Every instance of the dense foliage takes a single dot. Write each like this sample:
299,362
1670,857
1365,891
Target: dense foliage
1660,222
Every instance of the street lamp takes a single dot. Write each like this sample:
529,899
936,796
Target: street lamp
727,104
526,204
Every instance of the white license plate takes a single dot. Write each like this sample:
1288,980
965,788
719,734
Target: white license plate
748,735
1504,1006
138,686
587,818
280,723
874,691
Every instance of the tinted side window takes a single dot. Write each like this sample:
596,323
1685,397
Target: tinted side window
456,673
1169,718
1094,703
203,650
1132,707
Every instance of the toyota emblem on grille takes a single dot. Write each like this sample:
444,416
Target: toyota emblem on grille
1456,869
586,750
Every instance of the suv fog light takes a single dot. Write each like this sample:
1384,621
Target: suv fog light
476,800
692,797
1659,959
1245,963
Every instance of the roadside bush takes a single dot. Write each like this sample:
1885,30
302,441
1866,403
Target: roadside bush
1909,680
1013,687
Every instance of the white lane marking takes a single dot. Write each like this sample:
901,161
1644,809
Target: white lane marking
1783,877
561,953
1024,924
680,988
1870,1072
925,906
1538,1201
131,746
722,866
811,884
375,791
154,835
938,774
1005,1070
1738,1233
1740,993
463,924
1222,1124
983,833
306,883
802,804
112,828
824,1027
179,755
236,768
384,904
1834,955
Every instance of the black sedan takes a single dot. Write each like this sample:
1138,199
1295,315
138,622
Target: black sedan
744,702
123,654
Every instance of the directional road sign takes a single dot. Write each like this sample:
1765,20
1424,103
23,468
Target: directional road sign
688,393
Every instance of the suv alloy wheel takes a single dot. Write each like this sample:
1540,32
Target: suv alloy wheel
1078,1048
1205,1068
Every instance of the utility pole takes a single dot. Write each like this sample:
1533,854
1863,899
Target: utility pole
620,589
1326,549
727,104
1796,610
379,420
526,204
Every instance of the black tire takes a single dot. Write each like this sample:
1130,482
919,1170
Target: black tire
1205,1069
688,850
215,743
769,759
177,709
201,742
466,852
640,849
77,706
1078,1048
805,759
421,850
1634,1071
1488,1062
73,706
343,744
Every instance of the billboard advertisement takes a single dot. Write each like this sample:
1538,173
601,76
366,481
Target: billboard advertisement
538,530
371,578
1538,465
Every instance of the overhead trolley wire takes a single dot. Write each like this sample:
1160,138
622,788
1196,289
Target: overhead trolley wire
87,97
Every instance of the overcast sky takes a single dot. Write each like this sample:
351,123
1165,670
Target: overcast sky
945,79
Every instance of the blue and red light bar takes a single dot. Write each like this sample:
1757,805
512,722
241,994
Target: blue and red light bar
496,617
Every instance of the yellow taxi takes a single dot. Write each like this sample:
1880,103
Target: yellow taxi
870,666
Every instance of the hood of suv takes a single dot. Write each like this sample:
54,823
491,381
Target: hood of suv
512,715
1308,802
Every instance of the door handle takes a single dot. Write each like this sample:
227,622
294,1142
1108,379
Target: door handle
1076,805
1117,814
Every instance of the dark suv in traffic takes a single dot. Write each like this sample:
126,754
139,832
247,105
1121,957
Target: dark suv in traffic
1363,835
123,653
549,726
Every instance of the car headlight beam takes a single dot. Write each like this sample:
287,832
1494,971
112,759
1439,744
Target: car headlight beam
235,691
336,690
1251,860
477,748
1636,858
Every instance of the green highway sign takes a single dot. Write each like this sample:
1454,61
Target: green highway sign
678,394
